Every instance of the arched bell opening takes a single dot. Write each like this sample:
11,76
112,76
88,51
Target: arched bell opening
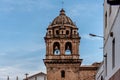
56,48
68,48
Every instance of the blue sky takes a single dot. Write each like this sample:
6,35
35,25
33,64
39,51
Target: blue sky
23,25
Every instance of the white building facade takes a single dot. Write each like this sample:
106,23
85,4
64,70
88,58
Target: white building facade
111,64
100,75
38,76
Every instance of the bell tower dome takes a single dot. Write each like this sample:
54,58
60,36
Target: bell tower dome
62,49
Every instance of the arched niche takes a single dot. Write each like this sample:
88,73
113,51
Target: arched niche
57,32
68,48
56,48
67,32
62,74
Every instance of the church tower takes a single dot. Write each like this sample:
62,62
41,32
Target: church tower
62,49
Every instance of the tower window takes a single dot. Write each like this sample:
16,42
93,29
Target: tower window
74,32
67,32
57,32
62,32
63,74
49,32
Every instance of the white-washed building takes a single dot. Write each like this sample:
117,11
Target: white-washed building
38,76
100,72
111,65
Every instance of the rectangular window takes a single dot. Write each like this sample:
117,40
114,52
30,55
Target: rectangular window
106,64
105,20
44,77
110,9
35,77
113,53
63,74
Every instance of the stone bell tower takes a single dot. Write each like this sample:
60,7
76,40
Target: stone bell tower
62,49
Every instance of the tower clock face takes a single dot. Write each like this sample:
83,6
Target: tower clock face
57,52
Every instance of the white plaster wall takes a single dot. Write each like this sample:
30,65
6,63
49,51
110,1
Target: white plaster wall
114,26
39,77
99,73
110,18
33,78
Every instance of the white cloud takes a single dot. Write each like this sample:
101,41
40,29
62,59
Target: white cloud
24,5
20,69
86,36
6,9
85,9
31,47
22,47
10,71
89,59
3,54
